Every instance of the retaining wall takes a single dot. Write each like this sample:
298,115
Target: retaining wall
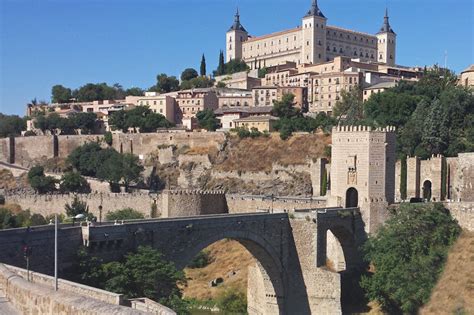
34,298
463,212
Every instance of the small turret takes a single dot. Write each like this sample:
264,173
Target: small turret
314,11
386,28
237,26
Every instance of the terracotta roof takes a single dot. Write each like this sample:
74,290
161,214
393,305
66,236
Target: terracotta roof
469,69
258,118
252,39
240,109
330,27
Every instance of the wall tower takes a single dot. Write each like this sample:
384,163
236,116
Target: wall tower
386,44
235,37
363,171
314,36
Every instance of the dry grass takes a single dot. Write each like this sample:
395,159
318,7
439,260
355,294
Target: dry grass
454,292
7,181
227,256
258,154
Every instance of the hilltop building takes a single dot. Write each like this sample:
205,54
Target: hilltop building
311,43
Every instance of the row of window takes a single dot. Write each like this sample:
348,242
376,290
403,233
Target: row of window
148,103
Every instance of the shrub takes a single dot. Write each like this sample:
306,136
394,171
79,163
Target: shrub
232,301
30,133
408,254
74,182
124,214
39,182
201,260
2,199
108,138
76,207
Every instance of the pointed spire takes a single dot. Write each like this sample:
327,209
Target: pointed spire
386,24
237,26
314,11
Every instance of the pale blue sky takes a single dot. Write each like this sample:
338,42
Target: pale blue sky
73,42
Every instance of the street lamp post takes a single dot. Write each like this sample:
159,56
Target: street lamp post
56,252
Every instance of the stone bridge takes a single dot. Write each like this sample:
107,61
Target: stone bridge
290,252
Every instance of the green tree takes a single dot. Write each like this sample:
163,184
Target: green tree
11,125
144,274
134,91
72,182
60,94
76,207
408,254
84,121
108,138
207,120
286,107
262,72
165,84
188,74
199,82
203,66
221,66
234,66
124,214
350,107
39,182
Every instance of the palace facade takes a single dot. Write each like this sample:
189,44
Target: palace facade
311,43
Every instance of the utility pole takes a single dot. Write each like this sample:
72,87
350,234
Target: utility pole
55,252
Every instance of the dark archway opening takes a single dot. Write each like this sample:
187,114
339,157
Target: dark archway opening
265,273
427,190
352,198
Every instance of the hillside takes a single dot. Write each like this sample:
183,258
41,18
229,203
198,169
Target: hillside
454,292
254,155
229,261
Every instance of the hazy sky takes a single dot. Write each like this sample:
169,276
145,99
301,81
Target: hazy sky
73,42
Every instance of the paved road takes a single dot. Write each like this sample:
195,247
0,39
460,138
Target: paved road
6,308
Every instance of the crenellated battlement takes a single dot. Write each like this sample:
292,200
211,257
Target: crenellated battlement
340,128
198,192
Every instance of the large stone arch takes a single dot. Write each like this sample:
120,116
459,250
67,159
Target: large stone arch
268,263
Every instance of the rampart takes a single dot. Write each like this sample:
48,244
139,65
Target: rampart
34,297
463,212
168,204
26,151
248,204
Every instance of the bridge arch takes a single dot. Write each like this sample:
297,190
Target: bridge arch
268,263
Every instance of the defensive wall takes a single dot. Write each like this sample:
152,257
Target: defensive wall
168,203
438,177
269,203
37,296
25,151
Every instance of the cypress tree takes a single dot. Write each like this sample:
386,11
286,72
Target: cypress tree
403,178
203,66
220,68
324,184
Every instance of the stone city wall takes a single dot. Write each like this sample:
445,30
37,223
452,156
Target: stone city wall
50,204
169,203
249,204
34,298
28,150
463,212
